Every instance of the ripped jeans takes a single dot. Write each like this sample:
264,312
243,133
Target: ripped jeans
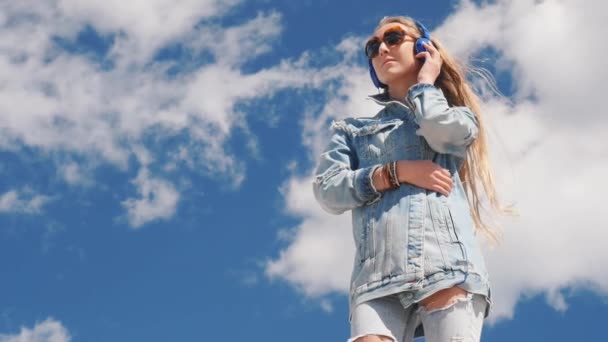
461,321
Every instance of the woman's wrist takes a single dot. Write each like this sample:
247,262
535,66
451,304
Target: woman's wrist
386,177
402,174
378,179
391,174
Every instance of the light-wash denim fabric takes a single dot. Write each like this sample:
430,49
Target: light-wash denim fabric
462,321
408,239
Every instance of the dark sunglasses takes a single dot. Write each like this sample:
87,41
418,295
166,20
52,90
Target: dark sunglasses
392,36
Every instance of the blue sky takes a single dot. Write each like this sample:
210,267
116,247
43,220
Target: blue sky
156,161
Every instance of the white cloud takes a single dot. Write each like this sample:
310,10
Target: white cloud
548,152
22,202
74,173
327,306
49,330
56,101
158,200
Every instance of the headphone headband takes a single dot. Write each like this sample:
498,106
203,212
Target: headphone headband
425,32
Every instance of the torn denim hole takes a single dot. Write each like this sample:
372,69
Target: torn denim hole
339,125
354,339
454,301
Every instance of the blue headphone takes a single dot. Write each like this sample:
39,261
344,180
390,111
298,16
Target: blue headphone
418,48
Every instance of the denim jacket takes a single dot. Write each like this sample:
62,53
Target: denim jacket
409,239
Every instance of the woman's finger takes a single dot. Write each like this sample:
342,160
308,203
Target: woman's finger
448,179
444,184
431,48
445,176
423,54
441,190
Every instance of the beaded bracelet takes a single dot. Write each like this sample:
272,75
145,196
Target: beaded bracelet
393,174
389,175
386,178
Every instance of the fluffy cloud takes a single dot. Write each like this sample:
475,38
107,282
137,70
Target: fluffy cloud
547,146
22,202
104,105
48,331
158,200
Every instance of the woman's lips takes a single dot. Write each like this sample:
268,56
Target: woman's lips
386,61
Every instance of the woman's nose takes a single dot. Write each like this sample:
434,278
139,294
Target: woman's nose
383,49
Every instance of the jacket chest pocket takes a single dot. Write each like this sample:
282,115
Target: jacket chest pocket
377,140
386,141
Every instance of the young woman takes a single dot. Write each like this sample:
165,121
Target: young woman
418,268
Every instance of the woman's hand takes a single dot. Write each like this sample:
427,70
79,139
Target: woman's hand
425,174
432,64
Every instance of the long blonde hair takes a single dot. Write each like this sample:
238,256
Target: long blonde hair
476,167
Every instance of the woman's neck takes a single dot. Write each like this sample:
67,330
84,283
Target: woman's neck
398,90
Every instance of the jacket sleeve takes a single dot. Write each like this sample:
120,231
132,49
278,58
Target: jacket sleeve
446,129
337,185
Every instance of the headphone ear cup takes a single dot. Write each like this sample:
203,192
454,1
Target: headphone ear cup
419,47
426,38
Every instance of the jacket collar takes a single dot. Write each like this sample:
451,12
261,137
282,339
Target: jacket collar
381,98
384,99
390,106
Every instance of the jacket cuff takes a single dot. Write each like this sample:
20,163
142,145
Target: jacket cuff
418,89
364,185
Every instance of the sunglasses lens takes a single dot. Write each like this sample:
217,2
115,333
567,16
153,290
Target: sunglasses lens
371,48
393,37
